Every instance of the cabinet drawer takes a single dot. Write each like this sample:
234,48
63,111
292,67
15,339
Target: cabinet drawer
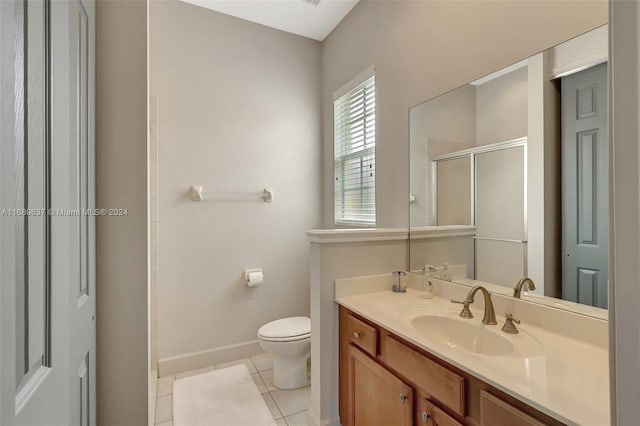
431,415
436,380
362,335
494,411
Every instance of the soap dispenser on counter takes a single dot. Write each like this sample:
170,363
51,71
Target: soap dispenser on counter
446,274
427,285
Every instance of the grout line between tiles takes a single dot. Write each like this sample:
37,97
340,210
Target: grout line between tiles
254,364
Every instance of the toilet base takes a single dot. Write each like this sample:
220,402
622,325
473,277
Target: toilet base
290,372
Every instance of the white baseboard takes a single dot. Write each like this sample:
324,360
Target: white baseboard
314,420
195,360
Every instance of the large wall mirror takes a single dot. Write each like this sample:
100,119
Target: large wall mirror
513,169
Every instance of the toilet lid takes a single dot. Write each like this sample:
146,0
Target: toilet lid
286,327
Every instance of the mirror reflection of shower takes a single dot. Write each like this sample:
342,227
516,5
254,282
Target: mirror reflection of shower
520,156
486,187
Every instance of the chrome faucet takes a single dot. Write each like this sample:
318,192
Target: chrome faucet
489,317
517,290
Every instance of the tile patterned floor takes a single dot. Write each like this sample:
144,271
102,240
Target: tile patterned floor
288,407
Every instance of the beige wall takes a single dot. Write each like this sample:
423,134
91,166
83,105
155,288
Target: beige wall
121,242
624,291
585,50
501,108
238,110
422,49
154,266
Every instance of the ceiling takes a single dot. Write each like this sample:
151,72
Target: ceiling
299,17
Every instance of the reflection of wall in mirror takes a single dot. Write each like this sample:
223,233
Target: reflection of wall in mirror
509,106
443,125
469,116
501,108
500,253
457,250
453,195
501,115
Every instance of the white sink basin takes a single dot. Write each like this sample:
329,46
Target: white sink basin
460,333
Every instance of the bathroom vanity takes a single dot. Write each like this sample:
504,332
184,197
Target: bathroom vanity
386,380
404,360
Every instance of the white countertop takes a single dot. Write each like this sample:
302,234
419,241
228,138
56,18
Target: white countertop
568,379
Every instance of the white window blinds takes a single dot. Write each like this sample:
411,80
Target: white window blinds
354,115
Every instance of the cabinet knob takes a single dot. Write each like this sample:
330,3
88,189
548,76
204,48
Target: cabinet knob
403,398
425,417
356,334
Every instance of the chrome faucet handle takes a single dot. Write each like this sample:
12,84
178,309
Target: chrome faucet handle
398,286
509,326
466,312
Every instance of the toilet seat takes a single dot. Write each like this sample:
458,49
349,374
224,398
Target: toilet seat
285,339
286,330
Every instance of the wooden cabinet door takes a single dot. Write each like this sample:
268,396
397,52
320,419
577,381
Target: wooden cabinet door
376,397
494,411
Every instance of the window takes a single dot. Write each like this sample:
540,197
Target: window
354,114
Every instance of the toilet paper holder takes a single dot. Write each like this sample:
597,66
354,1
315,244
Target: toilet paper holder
253,277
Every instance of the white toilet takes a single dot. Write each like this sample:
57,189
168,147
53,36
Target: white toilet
289,340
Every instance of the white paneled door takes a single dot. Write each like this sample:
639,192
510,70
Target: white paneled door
47,228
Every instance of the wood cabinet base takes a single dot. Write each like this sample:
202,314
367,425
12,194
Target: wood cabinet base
387,381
